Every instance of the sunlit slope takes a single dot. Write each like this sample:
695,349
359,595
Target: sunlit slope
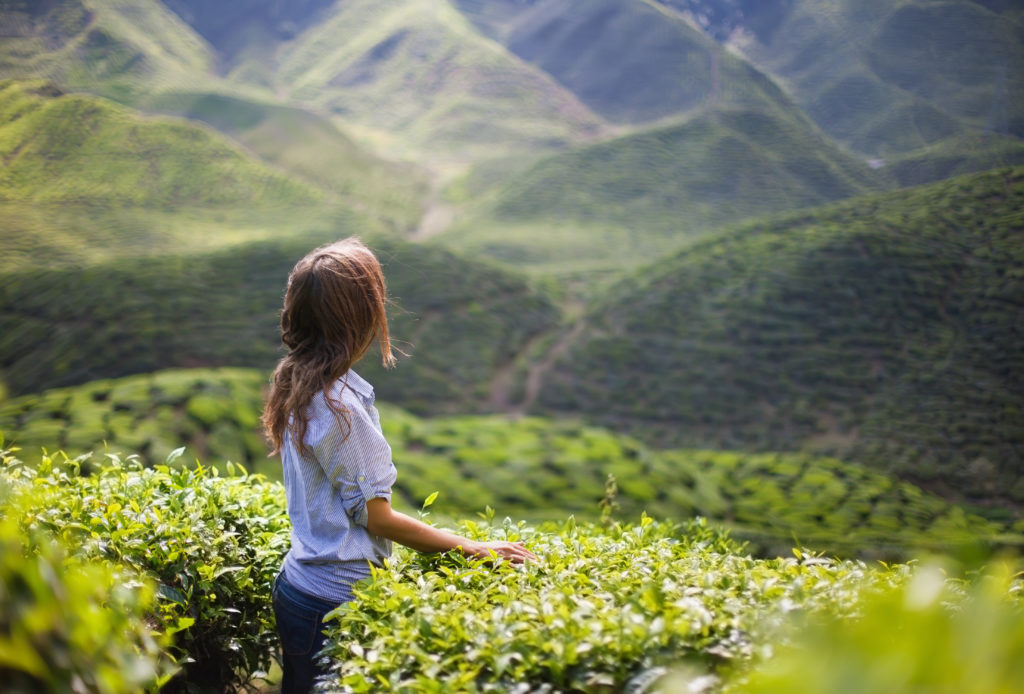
884,329
116,48
417,77
659,187
887,76
309,147
61,148
458,320
533,467
631,61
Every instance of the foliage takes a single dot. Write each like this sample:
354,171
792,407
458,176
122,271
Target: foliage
78,149
608,610
933,634
668,183
883,330
531,467
212,544
68,624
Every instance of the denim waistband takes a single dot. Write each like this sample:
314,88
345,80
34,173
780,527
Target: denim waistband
301,597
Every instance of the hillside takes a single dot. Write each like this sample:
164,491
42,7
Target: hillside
62,148
884,330
418,80
116,49
636,197
893,76
528,468
308,147
459,321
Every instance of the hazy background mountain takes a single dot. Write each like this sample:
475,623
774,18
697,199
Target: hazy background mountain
608,210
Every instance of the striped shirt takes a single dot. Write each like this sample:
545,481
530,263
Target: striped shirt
328,490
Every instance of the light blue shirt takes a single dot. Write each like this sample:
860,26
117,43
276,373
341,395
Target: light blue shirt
327,493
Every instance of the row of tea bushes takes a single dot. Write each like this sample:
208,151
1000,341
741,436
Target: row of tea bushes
171,567
209,545
534,468
653,607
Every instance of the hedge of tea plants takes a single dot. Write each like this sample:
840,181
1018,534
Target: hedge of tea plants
209,544
652,607
170,567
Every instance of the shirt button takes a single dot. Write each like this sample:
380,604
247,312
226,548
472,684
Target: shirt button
361,478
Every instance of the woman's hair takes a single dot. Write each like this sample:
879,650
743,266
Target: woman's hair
334,310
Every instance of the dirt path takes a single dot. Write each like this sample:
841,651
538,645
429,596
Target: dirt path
504,381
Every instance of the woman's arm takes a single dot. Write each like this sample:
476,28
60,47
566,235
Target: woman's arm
385,521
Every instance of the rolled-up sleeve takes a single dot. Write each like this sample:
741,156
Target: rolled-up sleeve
359,467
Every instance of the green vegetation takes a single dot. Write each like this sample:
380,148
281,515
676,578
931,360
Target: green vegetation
659,187
530,468
415,76
605,608
76,149
886,77
115,49
883,330
310,148
458,320
610,610
67,624
211,544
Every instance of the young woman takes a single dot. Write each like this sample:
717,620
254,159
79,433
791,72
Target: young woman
338,470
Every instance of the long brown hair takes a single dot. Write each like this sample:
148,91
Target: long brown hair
334,310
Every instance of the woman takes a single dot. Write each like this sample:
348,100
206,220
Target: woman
338,471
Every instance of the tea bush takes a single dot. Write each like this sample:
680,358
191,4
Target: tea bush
69,625
212,544
603,610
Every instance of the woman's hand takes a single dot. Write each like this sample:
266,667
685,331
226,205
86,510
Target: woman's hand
514,552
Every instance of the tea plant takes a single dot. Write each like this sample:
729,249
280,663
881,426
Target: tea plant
603,609
212,544
72,625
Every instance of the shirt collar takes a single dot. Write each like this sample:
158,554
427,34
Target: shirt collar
359,385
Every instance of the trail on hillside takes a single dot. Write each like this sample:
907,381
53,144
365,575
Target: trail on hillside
503,383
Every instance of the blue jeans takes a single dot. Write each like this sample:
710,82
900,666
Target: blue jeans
300,618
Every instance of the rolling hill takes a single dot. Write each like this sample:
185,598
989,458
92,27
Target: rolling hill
414,74
61,148
633,198
887,77
883,329
460,321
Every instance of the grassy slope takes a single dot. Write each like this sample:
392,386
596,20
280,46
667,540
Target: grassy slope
113,48
884,329
888,77
459,320
635,197
77,149
308,146
417,77
533,468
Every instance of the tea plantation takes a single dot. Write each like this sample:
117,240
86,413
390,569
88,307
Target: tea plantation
531,468
172,566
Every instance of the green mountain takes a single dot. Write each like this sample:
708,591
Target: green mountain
531,468
883,329
634,198
417,78
116,49
887,77
60,148
631,61
459,321
309,147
